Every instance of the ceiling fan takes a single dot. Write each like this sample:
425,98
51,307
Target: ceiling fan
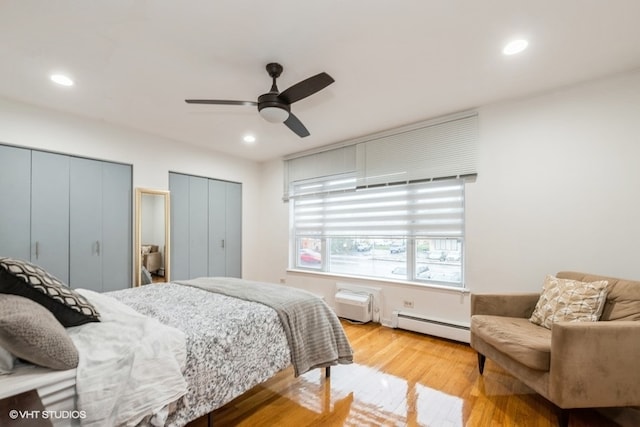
275,106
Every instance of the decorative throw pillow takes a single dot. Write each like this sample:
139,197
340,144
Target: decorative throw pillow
29,331
564,300
28,280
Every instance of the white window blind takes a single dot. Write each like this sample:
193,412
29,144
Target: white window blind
420,210
440,148
338,161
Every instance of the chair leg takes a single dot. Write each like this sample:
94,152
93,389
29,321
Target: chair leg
481,359
563,417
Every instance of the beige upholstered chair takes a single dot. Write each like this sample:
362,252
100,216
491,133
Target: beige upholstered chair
151,258
573,364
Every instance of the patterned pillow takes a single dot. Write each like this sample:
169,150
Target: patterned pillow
30,332
28,280
564,300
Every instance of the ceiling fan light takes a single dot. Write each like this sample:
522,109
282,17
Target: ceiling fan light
274,114
61,79
516,46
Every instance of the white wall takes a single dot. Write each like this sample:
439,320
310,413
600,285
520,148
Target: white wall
557,187
152,157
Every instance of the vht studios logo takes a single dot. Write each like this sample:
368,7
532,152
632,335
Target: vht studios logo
50,415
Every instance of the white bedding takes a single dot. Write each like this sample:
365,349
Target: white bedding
130,365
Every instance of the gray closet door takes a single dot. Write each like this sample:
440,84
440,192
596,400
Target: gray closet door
198,227
116,226
100,226
225,225
217,228
206,223
50,213
15,202
233,245
179,188
85,230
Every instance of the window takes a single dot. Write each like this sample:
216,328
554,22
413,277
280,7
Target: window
387,206
407,231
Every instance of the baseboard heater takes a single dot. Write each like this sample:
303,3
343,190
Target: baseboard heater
425,325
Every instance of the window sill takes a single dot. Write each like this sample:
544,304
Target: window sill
324,274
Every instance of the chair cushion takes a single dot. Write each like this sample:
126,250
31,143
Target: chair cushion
623,297
516,337
623,301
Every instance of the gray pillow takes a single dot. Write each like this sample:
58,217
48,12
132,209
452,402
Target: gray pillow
29,331
19,277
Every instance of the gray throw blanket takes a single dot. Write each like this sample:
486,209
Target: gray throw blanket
316,337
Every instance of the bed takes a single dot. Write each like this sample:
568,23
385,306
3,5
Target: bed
167,354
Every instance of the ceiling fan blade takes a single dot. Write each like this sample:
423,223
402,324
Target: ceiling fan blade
306,87
219,102
296,125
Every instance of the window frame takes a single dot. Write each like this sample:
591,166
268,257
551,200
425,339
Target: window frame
411,259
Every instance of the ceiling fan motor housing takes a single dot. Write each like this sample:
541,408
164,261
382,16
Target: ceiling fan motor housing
272,108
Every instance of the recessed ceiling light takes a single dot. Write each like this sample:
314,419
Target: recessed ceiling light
515,46
61,79
249,139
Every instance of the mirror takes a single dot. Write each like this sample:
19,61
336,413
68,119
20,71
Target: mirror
152,236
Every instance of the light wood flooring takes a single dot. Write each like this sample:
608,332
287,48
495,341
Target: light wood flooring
399,378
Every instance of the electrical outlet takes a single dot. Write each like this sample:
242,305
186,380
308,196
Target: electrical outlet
408,304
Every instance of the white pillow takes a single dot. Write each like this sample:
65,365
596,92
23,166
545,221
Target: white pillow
565,300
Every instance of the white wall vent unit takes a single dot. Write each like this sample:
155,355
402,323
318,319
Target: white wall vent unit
429,326
374,293
354,306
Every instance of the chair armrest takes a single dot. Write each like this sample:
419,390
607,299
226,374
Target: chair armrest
595,364
509,305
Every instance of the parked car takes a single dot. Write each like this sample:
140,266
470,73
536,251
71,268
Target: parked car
425,274
437,256
453,256
397,248
363,246
308,256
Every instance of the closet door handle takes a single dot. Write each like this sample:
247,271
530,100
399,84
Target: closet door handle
97,247
37,249
222,243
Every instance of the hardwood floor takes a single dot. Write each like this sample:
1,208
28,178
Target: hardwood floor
399,378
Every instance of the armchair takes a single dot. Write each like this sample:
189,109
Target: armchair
151,258
573,364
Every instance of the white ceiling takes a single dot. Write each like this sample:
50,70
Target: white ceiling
394,62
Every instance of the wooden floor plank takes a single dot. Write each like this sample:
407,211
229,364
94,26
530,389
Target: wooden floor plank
399,378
